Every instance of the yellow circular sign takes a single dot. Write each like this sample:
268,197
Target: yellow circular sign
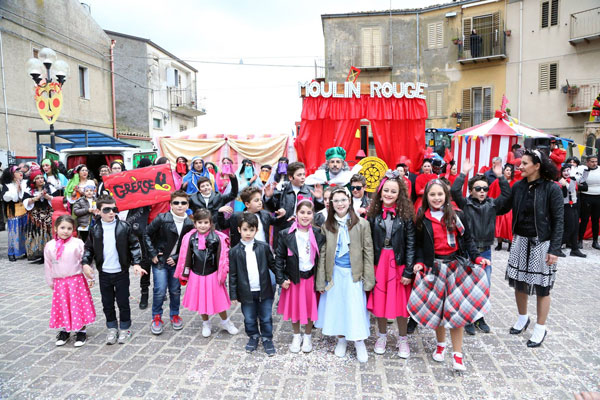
373,169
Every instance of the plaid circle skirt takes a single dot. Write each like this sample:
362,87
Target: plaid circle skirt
451,294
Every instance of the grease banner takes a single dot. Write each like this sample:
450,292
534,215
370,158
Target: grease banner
141,187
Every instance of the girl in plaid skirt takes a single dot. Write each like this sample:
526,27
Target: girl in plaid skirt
449,290
391,217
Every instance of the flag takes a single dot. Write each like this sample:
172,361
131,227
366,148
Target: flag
581,149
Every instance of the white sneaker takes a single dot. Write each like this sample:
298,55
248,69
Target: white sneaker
403,349
340,347
229,327
361,351
307,344
380,345
439,353
124,336
112,335
206,328
457,362
296,343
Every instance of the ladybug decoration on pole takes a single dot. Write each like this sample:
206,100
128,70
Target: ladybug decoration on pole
48,93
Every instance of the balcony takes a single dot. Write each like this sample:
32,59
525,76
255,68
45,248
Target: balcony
487,45
585,26
184,102
581,98
372,58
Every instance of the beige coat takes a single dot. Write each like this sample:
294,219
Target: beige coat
361,257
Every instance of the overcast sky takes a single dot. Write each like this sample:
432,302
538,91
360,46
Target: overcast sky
239,99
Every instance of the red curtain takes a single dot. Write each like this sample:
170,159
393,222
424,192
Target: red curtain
74,161
397,138
112,157
328,122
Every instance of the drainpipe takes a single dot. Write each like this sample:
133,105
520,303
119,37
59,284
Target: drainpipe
520,58
418,53
112,80
4,94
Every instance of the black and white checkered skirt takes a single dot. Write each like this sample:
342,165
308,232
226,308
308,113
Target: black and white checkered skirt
527,271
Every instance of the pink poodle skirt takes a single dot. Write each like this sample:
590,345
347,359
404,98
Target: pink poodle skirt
298,303
205,295
72,304
389,296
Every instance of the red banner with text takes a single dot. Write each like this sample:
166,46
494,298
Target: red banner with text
141,187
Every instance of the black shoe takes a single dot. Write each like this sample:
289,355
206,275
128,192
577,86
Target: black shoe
482,326
39,261
499,247
534,344
80,339
470,329
62,338
12,258
561,254
596,245
580,244
577,253
514,331
412,325
252,344
269,347
509,246
144,301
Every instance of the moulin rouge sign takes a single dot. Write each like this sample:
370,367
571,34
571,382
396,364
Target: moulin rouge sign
349,90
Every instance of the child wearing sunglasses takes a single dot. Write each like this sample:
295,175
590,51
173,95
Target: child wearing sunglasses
481,212
163,241
113,245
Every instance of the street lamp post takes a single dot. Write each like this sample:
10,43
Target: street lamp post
48,92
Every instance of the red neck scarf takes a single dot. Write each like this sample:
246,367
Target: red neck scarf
60,245
385,210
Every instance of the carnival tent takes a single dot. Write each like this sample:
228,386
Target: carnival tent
493,138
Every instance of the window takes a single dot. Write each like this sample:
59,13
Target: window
549,13
84,83
371,47
435,35
182,128
435,103
36,52
157,123
548,79
476,106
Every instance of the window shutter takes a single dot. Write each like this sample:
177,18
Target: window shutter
543,78
467,34
554,13
438,103
466,109
545,12
367,47
376,43
496,28
431,43
439,35
487,103
553,76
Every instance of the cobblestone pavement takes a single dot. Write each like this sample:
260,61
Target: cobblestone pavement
185,365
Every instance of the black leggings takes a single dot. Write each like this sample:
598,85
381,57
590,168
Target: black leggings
571,226
590,206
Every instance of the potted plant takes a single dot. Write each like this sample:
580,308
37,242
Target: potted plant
455,40
573,90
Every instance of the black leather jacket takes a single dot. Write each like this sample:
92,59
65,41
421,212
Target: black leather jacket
425,247
161,237
128,246
481,216
549,211
403,241
239,284
286,199
215,201
211,254
286,265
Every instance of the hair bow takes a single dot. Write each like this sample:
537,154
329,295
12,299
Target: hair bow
389,174
302,198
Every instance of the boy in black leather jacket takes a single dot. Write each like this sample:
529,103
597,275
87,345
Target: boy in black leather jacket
113,245
250,283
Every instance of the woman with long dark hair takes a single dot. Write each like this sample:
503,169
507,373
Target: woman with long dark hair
538,216
53,175
13,189
79,180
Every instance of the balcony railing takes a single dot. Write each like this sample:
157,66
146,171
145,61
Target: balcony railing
184,101
581,98
585,26
372,57
484,46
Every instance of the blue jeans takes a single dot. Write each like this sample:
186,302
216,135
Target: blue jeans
163,279
262,311
488,268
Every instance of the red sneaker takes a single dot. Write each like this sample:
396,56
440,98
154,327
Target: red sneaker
457,362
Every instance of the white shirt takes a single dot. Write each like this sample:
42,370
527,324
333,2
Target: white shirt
296,190
111,256
592,177
179,225
205,198
252,266
437,214
356,204
260,233
303,242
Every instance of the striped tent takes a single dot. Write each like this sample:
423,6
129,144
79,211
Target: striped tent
493,138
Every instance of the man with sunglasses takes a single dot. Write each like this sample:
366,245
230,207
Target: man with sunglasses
481,212
113,245
360,201
163,241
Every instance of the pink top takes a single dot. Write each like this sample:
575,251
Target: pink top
69,263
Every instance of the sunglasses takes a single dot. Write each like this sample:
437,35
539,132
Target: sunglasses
480,188
177,203
108,210
356,187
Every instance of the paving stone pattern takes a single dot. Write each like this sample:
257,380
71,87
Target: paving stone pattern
185,365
